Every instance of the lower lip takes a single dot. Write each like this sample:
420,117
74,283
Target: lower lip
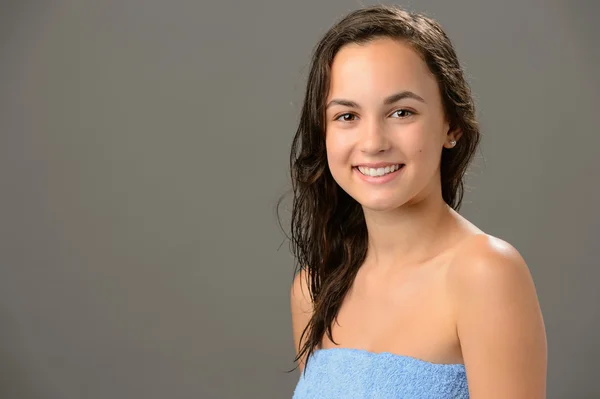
379,179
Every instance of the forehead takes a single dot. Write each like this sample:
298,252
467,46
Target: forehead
379,68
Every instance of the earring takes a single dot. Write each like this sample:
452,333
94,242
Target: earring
453,143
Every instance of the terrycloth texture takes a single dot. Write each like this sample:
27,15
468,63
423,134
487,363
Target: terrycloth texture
344,373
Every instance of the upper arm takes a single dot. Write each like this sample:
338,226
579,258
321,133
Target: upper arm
499,322
301,307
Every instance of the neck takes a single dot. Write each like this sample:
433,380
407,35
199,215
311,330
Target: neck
410,234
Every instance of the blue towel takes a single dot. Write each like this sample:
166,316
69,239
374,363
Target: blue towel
344,373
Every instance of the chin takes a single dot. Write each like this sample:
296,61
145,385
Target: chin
379,204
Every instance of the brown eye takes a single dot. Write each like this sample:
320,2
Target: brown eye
403,113
345,117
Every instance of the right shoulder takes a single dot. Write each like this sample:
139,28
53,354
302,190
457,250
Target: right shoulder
301,308
300,296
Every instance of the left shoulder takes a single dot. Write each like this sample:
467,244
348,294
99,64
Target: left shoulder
487,269
485,257
498,319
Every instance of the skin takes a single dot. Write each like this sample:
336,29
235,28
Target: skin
433,285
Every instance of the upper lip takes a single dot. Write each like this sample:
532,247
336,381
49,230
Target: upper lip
376,165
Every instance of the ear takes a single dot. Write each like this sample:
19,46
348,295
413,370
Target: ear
453,134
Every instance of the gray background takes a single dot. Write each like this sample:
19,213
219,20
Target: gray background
144,144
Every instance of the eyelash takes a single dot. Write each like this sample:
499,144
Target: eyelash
350,113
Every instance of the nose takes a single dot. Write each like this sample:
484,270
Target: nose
373,138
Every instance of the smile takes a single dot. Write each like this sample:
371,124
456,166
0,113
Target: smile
379,171
378,175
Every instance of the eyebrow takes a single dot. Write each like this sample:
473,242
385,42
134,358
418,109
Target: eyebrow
389,100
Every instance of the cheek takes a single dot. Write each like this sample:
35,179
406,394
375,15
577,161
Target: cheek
338,157
422,141
338,148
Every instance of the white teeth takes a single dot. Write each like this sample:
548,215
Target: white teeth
379,171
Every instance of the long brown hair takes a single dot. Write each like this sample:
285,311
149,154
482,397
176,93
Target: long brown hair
328,230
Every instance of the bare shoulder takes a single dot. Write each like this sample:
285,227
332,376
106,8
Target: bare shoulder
484,262
301,309
299,295
485,265
482,254
498,319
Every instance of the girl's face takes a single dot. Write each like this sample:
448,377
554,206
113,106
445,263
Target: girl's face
384,112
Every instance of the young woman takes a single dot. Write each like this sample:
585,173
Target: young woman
397,295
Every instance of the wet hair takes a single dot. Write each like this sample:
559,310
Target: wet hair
328,231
